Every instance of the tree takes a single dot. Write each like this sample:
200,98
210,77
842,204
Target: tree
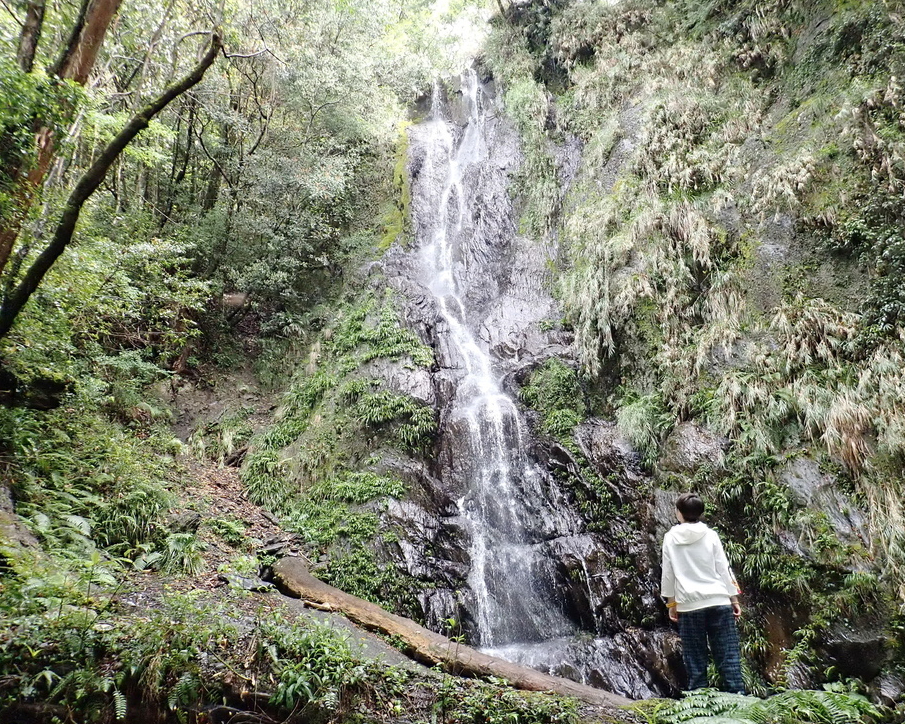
74,64
88,184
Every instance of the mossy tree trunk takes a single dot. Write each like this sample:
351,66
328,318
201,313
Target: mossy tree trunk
89,183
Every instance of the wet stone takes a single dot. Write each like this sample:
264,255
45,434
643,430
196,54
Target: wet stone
689,447
246,583
818,491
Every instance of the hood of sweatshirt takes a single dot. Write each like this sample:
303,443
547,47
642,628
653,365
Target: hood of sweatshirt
687,533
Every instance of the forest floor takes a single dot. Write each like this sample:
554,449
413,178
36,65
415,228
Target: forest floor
210,491
215,491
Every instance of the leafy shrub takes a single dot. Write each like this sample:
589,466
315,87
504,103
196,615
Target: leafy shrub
266,478
357,487
414,421
182,554
322,671
219,440
554,391
644,419
82,481
230,530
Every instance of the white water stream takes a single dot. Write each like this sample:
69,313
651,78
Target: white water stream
511,580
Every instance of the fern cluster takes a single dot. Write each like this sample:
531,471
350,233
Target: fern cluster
327,405
789,707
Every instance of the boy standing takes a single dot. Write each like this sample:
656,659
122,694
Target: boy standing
702,596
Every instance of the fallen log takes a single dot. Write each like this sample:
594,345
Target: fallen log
293,578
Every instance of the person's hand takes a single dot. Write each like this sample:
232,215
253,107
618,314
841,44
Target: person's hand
674,614
736,609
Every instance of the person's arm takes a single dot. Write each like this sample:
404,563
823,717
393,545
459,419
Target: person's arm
671,607
724,571
668,583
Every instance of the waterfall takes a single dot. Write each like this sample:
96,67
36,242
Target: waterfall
511,579
515,563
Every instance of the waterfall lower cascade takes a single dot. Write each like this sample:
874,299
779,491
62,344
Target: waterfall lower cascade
480,290
510,577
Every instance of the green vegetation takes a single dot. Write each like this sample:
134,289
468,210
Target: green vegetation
314,466
765,143
83,483
75,644
396,217
832,706
221,440
222,233
553,390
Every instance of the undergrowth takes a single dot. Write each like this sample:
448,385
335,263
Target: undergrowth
75,643
832,706
82,482
316,466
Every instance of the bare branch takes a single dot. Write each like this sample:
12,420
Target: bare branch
214,160
12,13
247,55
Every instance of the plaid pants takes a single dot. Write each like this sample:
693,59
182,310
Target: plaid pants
715,625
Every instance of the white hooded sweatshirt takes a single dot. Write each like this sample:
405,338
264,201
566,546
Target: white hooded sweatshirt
696,572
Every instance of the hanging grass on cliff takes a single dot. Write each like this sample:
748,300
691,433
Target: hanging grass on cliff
727,251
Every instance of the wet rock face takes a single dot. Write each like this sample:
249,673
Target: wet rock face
613,457
820,492
859,651
640,664
690,447
664,511
888,689
402,377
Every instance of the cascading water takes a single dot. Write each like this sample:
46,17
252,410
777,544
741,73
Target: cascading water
538,586
510,578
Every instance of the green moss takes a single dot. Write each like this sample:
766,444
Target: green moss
396,217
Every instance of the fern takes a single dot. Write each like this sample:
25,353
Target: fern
182,554
790,707
707,703
120,703
184,692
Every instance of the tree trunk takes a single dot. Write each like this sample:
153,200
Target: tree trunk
211,189
30,35
426,646
78,60
88,184
75,64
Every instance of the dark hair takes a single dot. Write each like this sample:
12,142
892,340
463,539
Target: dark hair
690,506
